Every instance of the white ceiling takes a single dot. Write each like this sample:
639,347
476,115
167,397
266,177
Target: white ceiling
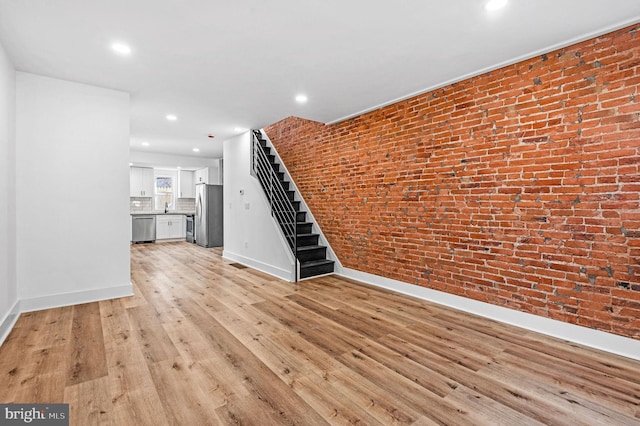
220,64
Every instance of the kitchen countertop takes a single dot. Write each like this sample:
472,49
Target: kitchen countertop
161,213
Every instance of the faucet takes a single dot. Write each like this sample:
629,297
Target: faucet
166,207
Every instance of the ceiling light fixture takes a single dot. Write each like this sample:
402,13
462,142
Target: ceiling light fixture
495,4
121,49
239,129
196,149
145,143
171,117
301,99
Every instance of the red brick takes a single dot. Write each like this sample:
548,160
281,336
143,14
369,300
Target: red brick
510,193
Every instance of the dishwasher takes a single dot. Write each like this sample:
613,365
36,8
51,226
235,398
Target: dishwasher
144,229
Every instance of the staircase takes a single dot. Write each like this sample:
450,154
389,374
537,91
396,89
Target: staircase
312,256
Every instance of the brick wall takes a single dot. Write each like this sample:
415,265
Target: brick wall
519,187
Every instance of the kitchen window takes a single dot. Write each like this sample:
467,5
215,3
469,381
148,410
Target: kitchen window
165,190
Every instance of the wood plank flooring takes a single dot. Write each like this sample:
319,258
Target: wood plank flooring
203,342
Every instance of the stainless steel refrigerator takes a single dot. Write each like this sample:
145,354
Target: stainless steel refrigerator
208,218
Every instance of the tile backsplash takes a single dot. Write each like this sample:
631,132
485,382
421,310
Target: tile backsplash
145,204
140,204
186,205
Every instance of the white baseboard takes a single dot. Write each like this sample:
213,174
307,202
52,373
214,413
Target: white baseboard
574,333
75,298
269,269
7,323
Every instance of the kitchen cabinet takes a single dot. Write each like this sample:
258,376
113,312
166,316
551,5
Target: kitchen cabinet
170,227
210,175
202,175
141,182
187,184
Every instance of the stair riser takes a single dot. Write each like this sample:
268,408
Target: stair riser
304,228
307,241
301,216
316,270
316,254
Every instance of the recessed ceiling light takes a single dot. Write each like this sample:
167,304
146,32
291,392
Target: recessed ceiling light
179,167
131,164
121,48
171,117
196,149
495,4
145,143
301,99
239,129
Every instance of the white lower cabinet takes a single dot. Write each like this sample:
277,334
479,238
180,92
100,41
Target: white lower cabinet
170,227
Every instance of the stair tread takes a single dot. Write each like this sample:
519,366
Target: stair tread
311,263
312,247
302,235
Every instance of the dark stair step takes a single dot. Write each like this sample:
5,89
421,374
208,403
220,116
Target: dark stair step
309,253
291,195
284,212
303,240
275,167
316,267
301,216
285,184
304,227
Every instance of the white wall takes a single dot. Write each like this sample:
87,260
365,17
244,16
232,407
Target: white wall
72,190
152,159
251,236
8,286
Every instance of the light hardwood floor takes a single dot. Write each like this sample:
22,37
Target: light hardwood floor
206,342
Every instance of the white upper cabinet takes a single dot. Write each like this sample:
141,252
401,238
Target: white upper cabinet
211,175
202,175
141,182
187,184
